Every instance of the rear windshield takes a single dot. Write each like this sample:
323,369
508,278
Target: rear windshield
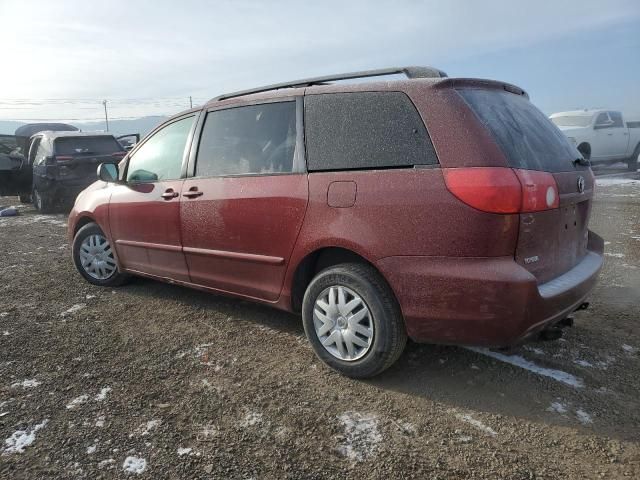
103,145
525,135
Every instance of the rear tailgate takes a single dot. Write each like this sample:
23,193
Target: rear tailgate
550,242
79,157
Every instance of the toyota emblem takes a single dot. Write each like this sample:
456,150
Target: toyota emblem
580,184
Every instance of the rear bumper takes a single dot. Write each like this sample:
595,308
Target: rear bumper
62,189
485,301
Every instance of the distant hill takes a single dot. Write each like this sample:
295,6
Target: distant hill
140,125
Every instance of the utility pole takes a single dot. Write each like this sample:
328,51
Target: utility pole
106,117
190,102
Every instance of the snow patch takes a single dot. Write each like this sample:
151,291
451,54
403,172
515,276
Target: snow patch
147,428
476,423
106,462
92,449
73,309
100,421
521,362
605,182
251,419
26,384
184,451
583,417
583,363
77,401
361,436
134,465
21,439
629,349
557,407
535,350
616,255
103,394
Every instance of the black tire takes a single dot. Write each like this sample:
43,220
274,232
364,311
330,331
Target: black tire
632,162
25,198
117,278
389,338
42,202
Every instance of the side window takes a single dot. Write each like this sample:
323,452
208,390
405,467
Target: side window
365,130
160,158
602,118
38,151
617,119
257,139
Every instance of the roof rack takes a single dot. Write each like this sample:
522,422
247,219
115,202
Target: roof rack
410,72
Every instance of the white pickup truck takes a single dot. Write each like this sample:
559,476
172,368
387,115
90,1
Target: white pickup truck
602,136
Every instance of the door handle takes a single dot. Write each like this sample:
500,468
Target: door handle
192,193
169,194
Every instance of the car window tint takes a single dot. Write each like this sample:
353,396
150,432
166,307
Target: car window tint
525,135
602,118
365,130
617,119
257,139
99,145
160,157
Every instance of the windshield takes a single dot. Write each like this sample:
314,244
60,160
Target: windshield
103,145
572,121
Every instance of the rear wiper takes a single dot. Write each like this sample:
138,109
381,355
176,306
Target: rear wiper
581,161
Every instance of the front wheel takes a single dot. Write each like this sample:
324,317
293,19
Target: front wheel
94,257
353,321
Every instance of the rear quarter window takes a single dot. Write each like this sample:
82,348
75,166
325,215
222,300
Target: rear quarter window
365,130
87,146
528,139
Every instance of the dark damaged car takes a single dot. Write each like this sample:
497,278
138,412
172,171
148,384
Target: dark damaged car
65,163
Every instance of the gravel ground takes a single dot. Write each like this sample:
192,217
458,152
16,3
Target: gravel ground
158,381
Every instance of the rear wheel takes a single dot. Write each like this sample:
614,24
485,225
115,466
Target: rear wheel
353,321
42,202
94,257
632,162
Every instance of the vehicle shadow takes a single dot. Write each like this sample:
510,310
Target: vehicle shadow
463,380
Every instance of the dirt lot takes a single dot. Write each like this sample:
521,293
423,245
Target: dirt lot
159,381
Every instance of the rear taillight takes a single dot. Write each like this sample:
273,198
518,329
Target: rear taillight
539,190
118,155
63,158
503,190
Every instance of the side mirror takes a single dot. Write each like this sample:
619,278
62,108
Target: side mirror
108,172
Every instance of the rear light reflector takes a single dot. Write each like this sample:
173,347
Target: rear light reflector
503,190
539,190
63,158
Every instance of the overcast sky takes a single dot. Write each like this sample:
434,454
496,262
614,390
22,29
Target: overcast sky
61,58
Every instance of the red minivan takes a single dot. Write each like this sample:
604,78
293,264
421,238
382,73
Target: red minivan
445,210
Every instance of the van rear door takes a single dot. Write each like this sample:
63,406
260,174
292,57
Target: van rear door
550,242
